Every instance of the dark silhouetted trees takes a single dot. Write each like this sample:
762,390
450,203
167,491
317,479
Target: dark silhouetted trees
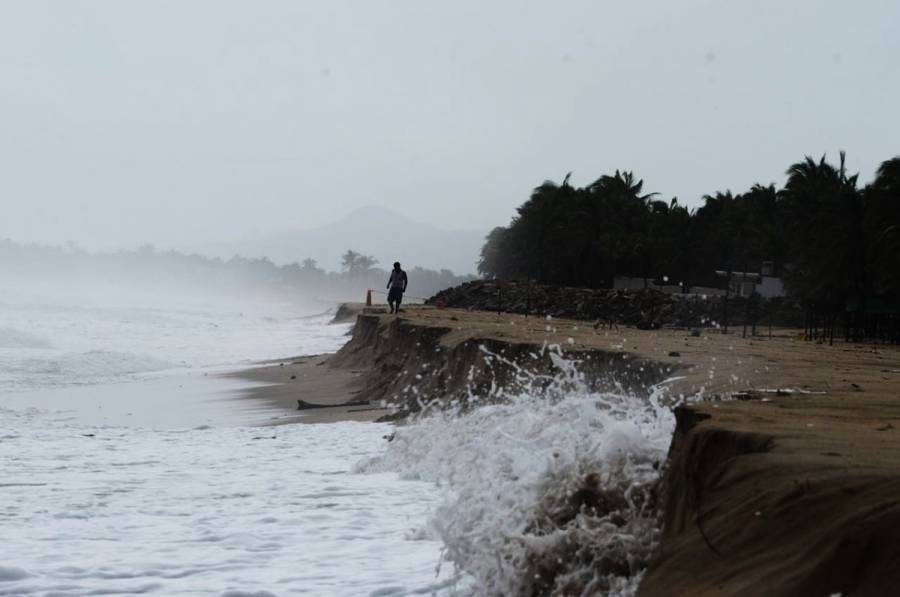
836,245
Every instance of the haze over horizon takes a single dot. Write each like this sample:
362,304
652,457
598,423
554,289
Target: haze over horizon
180,124
372,230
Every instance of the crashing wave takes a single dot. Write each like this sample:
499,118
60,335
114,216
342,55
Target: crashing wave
550,491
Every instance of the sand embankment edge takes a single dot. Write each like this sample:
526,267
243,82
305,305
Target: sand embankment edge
783,493
797,496
791,492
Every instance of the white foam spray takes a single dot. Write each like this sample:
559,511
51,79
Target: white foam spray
549,490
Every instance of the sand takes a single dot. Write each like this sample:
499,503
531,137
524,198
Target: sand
712,365
792,489
311,379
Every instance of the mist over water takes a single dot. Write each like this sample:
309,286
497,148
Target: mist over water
137,339
90,337
153,494
68,317
486,491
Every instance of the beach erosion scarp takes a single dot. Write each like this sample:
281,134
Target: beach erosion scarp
799,496
783,474
431,356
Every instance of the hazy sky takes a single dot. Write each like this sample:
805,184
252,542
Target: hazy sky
177,122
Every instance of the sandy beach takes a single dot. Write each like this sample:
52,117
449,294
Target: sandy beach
712,364
773,368
793,445
278,387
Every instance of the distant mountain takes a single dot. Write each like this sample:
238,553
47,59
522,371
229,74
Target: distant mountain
377,231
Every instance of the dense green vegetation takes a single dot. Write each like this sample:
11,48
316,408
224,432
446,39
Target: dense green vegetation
833,242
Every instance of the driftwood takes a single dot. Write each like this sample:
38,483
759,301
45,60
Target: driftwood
304,405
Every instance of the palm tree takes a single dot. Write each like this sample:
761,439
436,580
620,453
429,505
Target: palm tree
623,184
496,259
825,210
356,263
883,227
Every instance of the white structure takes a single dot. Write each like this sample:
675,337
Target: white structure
744,284
770,287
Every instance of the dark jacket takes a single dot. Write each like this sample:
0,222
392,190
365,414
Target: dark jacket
398,279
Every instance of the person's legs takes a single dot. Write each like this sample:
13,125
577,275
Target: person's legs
394,297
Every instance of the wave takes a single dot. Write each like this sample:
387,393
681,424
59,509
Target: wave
13,338
53,344
549,491
68,369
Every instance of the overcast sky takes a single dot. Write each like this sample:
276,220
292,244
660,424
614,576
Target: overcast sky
177,122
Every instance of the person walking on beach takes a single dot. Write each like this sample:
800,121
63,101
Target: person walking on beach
396,287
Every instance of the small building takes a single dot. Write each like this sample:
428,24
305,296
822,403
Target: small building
764,283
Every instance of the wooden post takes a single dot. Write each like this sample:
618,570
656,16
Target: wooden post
754,313
725,305
831,330
746,315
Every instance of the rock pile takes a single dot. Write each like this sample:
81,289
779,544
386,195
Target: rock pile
642,308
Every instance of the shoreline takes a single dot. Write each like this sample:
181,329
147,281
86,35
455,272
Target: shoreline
810,442
329,391
279,384
178,399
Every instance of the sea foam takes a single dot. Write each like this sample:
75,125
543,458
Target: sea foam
60,342
548,491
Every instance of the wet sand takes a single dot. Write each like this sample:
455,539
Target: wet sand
180,401
311,379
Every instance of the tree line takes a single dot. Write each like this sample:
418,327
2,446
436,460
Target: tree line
835,243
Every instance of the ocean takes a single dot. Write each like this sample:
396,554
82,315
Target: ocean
130,467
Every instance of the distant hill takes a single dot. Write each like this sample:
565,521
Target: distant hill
377,231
